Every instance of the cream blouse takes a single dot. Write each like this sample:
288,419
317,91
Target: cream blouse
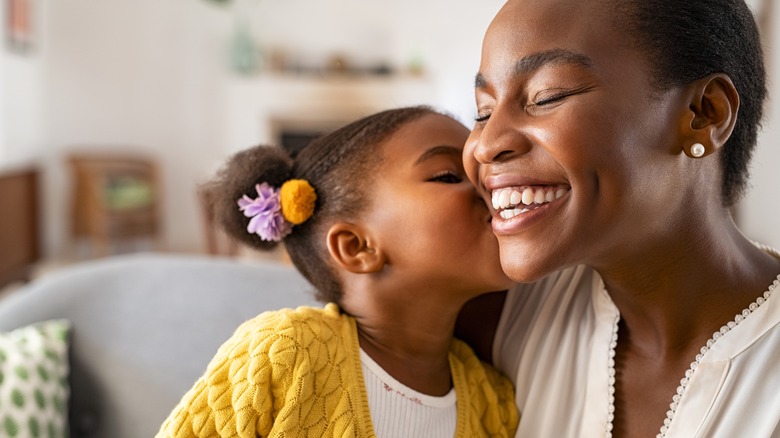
553,340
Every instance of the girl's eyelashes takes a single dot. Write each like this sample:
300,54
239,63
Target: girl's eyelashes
447,177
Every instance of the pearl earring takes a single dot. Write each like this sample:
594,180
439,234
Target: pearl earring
697,150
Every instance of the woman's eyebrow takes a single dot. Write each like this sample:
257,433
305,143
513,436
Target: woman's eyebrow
535,61
437,151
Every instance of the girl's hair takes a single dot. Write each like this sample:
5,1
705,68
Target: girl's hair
685,40
339,165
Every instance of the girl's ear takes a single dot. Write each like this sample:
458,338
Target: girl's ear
352,249
713,107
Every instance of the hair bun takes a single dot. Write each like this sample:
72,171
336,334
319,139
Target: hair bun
240,176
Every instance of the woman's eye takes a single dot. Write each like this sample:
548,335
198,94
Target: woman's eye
447,178
481,118
552,99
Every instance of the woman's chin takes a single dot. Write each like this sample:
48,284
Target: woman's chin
525,266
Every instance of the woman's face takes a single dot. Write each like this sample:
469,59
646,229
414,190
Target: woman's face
431,222
578,153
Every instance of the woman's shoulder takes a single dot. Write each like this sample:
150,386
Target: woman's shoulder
562,303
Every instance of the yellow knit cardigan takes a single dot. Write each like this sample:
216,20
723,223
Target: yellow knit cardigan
296,373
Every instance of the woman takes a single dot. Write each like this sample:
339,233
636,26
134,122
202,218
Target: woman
646,312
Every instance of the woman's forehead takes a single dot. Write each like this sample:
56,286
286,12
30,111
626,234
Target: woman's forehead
557,21
525,29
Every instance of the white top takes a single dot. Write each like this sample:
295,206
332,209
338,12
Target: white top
553,340
399,411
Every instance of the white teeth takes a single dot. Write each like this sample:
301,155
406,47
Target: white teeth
539,197
528,196
509,214
502,199
505,197
516,197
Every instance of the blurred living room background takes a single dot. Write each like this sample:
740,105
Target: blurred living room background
113,112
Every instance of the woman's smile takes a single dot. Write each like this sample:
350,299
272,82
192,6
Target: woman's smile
514,201
518,208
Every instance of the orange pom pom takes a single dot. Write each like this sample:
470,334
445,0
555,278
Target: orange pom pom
298,199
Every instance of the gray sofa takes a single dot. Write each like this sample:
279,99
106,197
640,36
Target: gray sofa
145,327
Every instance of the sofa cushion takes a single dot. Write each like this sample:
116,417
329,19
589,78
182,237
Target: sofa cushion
34,380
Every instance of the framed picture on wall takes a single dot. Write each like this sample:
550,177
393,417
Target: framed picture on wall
19,25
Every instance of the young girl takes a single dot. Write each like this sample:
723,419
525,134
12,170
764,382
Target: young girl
381,219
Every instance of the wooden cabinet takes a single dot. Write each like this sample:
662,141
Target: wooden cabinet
19,223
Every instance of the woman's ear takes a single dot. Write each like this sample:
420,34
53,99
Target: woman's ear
714,103
352,249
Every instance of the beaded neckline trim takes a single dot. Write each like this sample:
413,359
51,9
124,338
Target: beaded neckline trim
689,373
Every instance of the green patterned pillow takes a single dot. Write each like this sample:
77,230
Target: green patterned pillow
34,381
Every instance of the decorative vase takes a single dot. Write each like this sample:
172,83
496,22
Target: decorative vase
244,53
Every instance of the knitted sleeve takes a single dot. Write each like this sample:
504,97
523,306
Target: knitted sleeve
243,387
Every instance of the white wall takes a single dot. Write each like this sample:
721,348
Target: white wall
447,35
21,97
152,75
134,75
759,213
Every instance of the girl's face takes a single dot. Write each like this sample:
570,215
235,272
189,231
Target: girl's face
576,150
431,222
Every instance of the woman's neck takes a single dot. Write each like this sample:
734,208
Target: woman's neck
670,307
673,295
409,339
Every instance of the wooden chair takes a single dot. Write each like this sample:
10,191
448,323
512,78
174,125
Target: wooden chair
116,200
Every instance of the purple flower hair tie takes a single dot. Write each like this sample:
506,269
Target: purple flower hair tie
266,213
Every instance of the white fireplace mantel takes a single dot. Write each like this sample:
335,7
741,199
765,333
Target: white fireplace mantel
258,107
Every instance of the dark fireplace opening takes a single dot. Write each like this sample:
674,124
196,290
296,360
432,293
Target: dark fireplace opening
293,140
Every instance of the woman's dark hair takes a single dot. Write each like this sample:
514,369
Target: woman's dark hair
338,165
686,40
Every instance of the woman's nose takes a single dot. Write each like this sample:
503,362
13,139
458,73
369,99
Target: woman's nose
498,139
